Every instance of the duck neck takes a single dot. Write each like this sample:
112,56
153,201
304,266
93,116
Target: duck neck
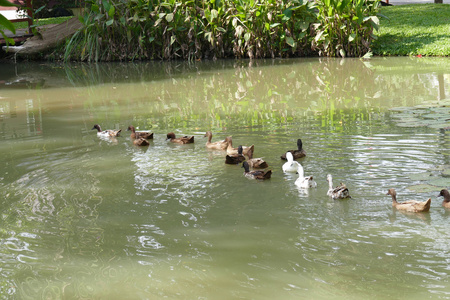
301,173
209,138
446,197
330,183
394,198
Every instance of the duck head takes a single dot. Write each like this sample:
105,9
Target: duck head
170,135
245,166
130,128
392,192
96,126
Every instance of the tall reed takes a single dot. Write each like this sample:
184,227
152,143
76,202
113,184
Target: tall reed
190,29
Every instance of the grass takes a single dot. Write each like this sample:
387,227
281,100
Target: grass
40,22
417,29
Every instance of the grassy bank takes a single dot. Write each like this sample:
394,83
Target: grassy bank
418,29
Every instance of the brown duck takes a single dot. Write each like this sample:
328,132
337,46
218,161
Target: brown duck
299,153
219,145
262,175
234,151
106,133
445,193
182,140
411,205
139,134
236,158
140,142
255,163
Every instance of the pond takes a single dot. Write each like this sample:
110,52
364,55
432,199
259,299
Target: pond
90,218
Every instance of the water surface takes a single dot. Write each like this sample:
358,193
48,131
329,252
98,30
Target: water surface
83,217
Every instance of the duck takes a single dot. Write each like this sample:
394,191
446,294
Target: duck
255,163
106,133
219,145
235,159
299,153
291,165
139,134
259,174
446,194
302,181
181,140
140,142
339,192
411,205
233,151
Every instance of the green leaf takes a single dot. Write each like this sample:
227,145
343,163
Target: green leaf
214,14
109,22
290,41
287,13
6,3
351,37
8,25
169,17
247,36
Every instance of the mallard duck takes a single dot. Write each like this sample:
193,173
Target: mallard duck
256,174
233,151
106,133
182,140
299,153
411,205
140,142
445,193
235,159
291,165
255,163
219,145
139,134
339,192
302,181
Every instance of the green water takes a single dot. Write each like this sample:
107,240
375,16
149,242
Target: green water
87,218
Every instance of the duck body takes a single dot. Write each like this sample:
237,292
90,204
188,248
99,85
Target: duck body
290,165
299,153
339,192
446,194
235,159
258,174
411,205
219,145
234,151
106,133
302,181
182,140
139,134
256,163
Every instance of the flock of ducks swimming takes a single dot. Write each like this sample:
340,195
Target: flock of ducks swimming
237,156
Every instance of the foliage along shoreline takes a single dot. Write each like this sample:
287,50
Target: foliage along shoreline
124,30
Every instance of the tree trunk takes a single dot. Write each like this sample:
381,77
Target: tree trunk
438,1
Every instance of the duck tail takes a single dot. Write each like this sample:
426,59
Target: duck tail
267,174
427,205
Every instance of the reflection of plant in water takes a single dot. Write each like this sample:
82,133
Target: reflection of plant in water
228,94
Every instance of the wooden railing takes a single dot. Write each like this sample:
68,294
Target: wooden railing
28,19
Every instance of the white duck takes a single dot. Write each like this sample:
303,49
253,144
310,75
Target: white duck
291,165
339,192
302,181
106,133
